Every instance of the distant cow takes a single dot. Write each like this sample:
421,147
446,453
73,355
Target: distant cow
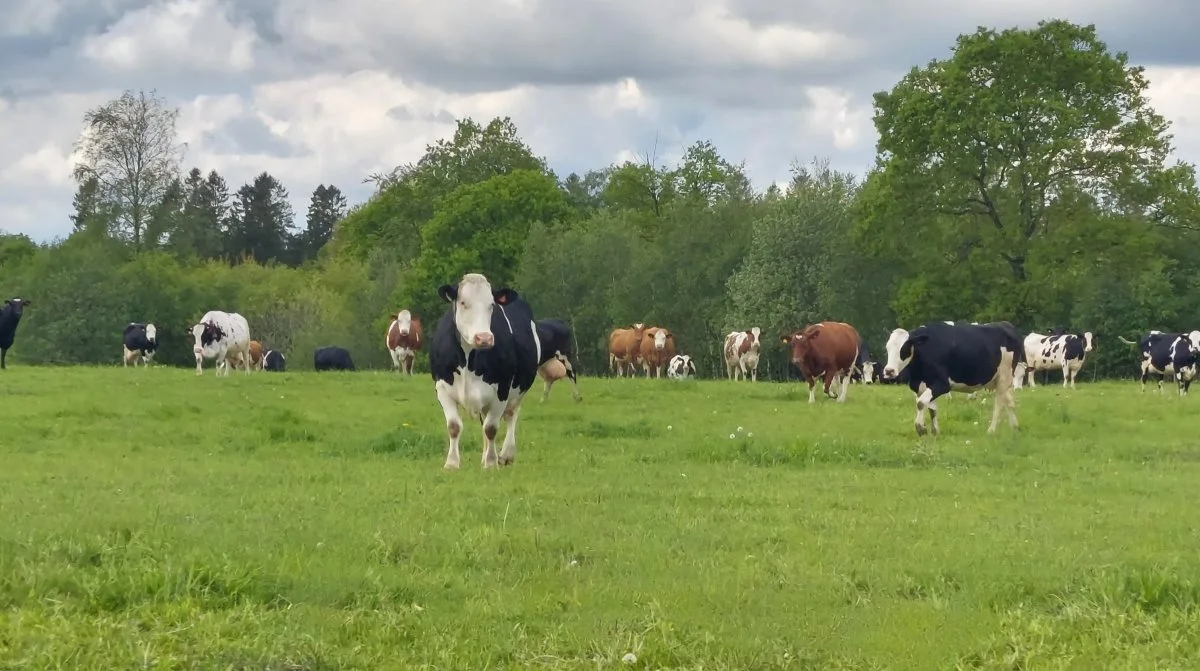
405,338
742,349
256,354
140,343
1173,354
555,361
274,361
939,357
658,346
332,358
681,367
865,370
224,337
624,346
1061,351
483,359
826,349
10,316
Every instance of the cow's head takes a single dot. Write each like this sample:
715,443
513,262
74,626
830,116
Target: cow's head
1087,342
660,338
1193,339
404,322
868,372
206,333
798,342
474,302
754,335
14,306
899,352
151,333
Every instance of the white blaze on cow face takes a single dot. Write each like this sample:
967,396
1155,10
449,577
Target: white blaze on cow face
894,363
660,339
473,305
404,322
1087,342
151,333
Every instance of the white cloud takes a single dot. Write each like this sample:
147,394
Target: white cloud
183,35
30,17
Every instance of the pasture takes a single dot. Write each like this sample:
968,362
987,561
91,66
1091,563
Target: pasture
153,519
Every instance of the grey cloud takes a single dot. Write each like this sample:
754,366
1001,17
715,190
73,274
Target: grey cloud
405,113
247,134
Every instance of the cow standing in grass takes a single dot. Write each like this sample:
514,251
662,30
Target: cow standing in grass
555,361
1173,354
827,350
274,361
10,316
224,337
657,348
1060,351
140,342
404,339
742,350
624,348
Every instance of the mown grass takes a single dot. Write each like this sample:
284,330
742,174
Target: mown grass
152,519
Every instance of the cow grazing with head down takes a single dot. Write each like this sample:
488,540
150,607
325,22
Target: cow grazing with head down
939,357
224,337
555,361
274,361
681,367
624,346
827,350
658,346
332,358
1059,351
140,342
1174,354
864,369
483,359
742,350
405,337
10,316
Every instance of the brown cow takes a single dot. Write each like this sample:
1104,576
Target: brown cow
623,348
256,354
658,346
827,349
404,340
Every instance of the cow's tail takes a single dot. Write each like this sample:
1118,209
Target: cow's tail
1127,342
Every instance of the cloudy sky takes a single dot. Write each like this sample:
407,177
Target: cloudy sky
316,91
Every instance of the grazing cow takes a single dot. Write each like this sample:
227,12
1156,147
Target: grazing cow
864,369
555,362
274,361
256,354
681,367
483,359
405,338
1173,354
1059,351
223,336
332,358
624,346
10,316
658,346
825,349
964,357
742,349
140,343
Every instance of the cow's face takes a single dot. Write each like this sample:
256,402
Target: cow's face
404,322
1193,340
899,353
754,336
868,372
799,343
660,339
206,333
1087,342
16,305
151,333
474,301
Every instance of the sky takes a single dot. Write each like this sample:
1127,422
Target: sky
316,91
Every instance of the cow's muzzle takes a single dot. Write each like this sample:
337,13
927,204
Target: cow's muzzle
483,340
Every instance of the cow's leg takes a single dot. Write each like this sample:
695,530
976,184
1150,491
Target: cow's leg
754,373
545,390
830,376
1002,386
933,418
926,400
812,389
491,426
3,358
453,424
508,454
246,361
919,421
844,383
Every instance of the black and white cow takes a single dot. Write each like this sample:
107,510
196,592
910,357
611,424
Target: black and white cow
332,358
865,370
1058,351
483,358
1164,354
10,316
555,338
140,343
940,357
224,337
681,367
274,361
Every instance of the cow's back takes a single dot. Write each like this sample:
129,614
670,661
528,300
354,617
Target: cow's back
837,344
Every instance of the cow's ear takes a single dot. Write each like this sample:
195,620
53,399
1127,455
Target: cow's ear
448,293
504,296
814,334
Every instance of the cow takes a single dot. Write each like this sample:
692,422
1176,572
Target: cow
825,349
658,346
10,316
405,338
1164,354
864,369
1059,351
274,361
140,341
332,358
965,357
483,358
742,349
224,337
623,349
681,367
256,354
555,361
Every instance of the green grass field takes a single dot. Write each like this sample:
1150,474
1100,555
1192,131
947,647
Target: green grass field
152,519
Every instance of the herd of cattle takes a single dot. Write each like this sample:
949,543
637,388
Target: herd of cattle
487,350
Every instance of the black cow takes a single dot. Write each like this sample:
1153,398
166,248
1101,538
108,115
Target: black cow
10,316
1164,354
555,338
332,358
140,343
940,357
273,360
865,370
483,358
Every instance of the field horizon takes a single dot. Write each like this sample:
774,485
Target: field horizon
159,520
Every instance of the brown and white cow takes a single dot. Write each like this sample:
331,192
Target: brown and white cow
742,349
623,348
828,350
658,347
404,340
256,354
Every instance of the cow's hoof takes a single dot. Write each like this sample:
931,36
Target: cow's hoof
451,466
506,461
920,429
578,399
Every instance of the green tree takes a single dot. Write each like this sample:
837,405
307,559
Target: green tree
200,228
262,222
325,208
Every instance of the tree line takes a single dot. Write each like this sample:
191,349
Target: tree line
1025,177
